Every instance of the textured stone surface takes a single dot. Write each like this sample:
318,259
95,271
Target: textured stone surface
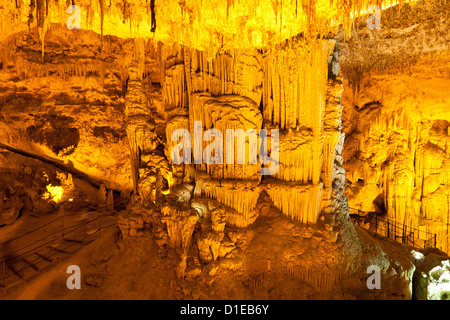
86,120
396,118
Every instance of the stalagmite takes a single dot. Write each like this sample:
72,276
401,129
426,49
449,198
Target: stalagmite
180,222
141,125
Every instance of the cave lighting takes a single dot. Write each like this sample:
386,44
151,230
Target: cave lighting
170,180
53,193
417,255
100,98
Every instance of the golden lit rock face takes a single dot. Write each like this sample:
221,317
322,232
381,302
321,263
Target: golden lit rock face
70,108
198,24
361,113
53,193
397,116
284,88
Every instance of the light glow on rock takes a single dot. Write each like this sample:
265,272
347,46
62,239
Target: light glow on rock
53,193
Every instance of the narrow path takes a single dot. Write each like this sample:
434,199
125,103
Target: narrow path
25,255
391,229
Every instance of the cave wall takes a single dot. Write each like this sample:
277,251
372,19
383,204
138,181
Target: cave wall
277,92
65,115
119,101
396,118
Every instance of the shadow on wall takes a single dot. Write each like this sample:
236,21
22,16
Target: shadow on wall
379,205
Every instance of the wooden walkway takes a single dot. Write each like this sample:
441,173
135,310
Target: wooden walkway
26,261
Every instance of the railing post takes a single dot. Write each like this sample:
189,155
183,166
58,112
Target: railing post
395,230
376,223
4,274
388,229
403,234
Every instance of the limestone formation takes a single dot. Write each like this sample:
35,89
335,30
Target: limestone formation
251,149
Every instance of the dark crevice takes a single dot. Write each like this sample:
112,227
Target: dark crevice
153,16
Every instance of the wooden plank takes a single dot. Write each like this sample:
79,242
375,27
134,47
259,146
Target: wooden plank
30,264
42,257
17,273
58,250
73,240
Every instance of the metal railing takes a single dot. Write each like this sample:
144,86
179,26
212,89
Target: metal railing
389,228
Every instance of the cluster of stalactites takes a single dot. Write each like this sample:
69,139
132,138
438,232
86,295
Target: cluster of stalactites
295,93
290,83
195,23
325,280
295,84
220,91
239,195
414,159
299,202
26,69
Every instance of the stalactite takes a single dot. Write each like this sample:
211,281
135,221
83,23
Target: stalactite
40,13
281,16
30,15
41,24
298,202
296,163
239,195
174,87
319,278
230,3
102,16
27,69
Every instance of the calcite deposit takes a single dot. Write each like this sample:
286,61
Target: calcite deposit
396,117
232,142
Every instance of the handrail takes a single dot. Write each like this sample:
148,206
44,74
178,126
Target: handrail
395,230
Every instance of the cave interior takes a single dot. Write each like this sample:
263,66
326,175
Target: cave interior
239,149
